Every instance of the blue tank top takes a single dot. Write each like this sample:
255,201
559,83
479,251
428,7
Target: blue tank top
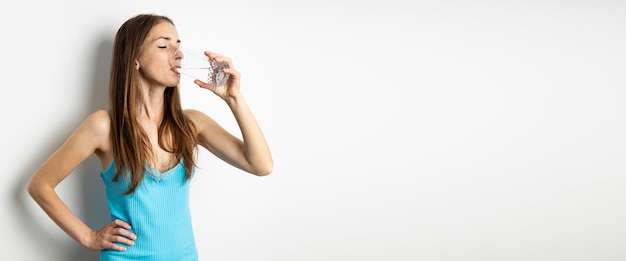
158,212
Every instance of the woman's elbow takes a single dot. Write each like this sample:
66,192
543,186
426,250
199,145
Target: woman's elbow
36,189
264,170
33,189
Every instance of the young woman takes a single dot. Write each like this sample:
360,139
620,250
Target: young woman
147,145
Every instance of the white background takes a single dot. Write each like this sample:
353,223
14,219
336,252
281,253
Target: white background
400,130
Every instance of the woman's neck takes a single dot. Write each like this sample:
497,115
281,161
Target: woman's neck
153,104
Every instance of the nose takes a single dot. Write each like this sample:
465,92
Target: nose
178,54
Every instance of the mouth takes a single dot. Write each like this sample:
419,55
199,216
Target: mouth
176,69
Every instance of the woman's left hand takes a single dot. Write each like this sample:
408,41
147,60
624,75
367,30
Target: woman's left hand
231,88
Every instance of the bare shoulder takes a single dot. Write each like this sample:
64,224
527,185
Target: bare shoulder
98,123
98,126
194,114
200,119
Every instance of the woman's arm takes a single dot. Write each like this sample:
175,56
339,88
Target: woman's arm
252,154
88,138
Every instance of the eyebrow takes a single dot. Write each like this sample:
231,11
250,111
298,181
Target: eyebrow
166,38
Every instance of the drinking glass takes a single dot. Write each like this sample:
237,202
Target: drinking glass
197,65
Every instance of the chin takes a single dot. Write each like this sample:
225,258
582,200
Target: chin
173,84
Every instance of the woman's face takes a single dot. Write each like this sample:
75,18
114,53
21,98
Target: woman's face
159,58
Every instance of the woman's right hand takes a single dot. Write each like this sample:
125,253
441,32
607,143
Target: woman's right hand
111,233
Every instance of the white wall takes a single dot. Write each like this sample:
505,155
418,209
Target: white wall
401,130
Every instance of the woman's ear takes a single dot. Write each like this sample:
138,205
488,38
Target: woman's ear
136,65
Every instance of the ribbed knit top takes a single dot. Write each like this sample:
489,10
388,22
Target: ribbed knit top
158,212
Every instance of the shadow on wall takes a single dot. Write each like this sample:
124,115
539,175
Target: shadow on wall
91,198
96,213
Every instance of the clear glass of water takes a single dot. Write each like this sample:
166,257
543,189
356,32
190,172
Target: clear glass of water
196,65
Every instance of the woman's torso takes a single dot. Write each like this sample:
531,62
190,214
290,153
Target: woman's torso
158,212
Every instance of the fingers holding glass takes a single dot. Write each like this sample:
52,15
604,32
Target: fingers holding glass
204,67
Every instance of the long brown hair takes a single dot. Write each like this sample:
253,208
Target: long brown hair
131,146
